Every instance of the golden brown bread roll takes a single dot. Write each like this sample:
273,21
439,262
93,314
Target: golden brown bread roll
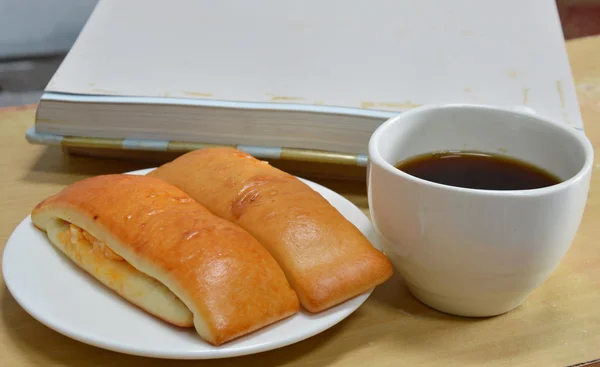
326,258
161,250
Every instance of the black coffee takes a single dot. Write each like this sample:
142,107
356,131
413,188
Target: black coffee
476,170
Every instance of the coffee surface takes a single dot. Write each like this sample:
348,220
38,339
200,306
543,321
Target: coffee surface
477,170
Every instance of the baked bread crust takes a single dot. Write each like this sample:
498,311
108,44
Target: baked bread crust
216,270
326,258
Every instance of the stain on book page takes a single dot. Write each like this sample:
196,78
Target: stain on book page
394,105
197,94
561,95
525,95
514,73
563,103
107,91
275,97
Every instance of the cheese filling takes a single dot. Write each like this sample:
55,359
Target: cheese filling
95,257
79,236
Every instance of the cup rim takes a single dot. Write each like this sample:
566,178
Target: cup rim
375,155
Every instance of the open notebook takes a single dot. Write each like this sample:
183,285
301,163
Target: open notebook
307,80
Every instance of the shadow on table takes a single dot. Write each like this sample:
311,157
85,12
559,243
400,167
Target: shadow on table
40,344
55,166
417,329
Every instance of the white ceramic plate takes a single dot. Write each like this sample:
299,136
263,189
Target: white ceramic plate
60,295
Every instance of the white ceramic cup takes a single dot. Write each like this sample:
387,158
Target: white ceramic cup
475,252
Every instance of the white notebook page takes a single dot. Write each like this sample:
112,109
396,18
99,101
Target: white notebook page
378,54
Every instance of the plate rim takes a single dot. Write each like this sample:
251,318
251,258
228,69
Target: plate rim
223,352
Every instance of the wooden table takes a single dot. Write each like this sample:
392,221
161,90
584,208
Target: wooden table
559,325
